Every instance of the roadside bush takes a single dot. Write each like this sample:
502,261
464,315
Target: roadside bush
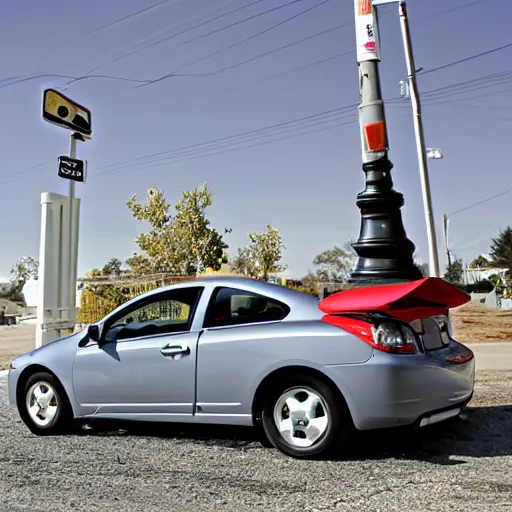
309,290
483,286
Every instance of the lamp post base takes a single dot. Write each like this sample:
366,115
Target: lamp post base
385,254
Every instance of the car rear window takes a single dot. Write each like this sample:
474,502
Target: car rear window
231,306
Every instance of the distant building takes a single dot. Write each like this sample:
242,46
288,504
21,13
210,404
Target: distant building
474,275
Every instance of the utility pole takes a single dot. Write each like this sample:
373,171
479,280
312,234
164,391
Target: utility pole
385,254
445,236
420,142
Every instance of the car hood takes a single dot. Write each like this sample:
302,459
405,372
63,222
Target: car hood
408,301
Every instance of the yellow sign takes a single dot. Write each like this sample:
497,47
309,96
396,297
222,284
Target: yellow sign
62,111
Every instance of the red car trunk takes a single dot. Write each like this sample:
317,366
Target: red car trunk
406,301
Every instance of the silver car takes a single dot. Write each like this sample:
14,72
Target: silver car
235,351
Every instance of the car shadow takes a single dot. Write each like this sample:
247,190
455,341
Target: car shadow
478,432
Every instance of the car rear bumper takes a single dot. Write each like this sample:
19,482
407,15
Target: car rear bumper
392,390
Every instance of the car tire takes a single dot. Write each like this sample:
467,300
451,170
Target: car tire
44,406
304,417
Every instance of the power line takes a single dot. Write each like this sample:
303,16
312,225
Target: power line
219,144
162,156
466,59
283,73
226,27
452,9
326,113
201,150
214,152
385,13
111,24
176,34
243,41
230,67
265,54
478,203
120,20
327,116
236,23
18,80
229,143
144,82
11,177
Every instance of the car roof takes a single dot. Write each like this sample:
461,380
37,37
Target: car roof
302,305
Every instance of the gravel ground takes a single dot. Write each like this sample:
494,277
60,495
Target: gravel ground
462,465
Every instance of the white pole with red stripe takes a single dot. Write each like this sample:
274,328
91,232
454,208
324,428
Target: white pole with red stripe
385,254
372,117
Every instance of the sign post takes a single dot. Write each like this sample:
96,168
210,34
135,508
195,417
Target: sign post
60,225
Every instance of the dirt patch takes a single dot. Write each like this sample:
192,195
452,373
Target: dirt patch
14,341
475,323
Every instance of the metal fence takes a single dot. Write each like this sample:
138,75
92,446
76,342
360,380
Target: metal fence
98,298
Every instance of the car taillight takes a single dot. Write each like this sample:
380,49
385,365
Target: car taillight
384,334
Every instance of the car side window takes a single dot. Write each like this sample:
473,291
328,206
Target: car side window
231,306
162,314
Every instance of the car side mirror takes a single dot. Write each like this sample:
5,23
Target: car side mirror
93,332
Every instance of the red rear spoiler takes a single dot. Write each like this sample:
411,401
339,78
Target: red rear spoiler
407,301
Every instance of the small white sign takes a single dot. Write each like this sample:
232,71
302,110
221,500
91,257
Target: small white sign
367,37
434,153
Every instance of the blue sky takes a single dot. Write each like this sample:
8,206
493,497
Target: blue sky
306,185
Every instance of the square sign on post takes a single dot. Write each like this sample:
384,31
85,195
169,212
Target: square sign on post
72,169
62,111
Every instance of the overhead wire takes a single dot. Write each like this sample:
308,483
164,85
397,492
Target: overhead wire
451,9
120,20
284,135
163,157
24,172
285,130
298,121
218,145
435,69
37,76
468,4
436,94
181,32
243,41
109,24
466,59
478,203
283,73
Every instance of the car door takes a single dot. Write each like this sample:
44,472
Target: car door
233,349
145,363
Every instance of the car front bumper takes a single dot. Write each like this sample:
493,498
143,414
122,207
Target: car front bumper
392,390
12,382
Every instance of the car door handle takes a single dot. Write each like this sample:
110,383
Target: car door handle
174,350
